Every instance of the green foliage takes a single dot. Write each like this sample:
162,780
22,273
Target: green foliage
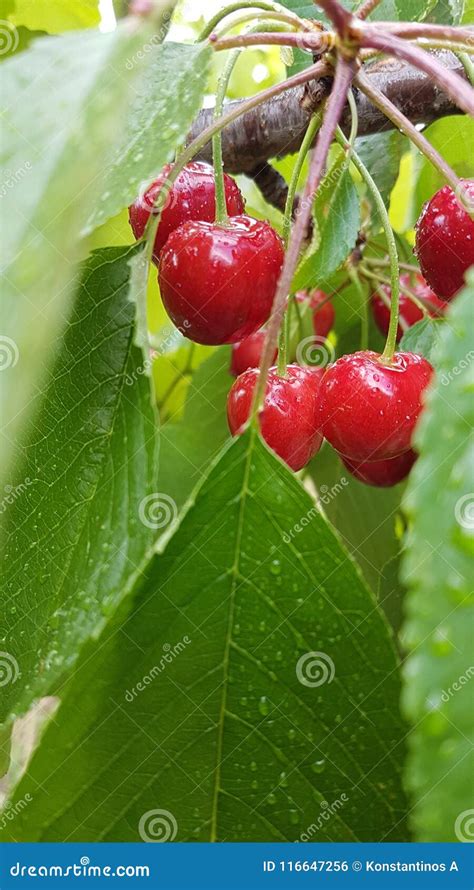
55,16
56,159
424,338
381,153
453,137
438,570
74,539
443,12
233,734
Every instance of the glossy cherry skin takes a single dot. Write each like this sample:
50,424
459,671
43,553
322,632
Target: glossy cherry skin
369,409
247,353
289,419
445,240
217,282
382,473
192,196
410,313
323,316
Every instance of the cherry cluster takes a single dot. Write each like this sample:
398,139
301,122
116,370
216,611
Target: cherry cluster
218,281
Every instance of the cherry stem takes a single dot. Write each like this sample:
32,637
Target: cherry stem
236,7
364,11
414,30
219,182
276,18
339,16
402,123
468,66
460,92
316,42
332,113
381,279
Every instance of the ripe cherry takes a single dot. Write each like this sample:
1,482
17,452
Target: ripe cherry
410,313
192,196
369,408
247,353
218,281
323,316
382,473
289,419
445,240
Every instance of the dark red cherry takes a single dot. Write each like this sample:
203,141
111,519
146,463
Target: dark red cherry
218,281
382,473
247,353
410,313
369,408
323,316
445,240
289,419
192,196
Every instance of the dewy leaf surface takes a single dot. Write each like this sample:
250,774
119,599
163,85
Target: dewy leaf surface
438,568
98,131
252,684
74,538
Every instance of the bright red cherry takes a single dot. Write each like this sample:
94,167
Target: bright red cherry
218,281
323,316
369,408
289,419
382,473
192,196
410,313
247,353
445,240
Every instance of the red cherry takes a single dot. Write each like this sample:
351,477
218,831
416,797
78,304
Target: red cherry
369,409
192,196
409,311
247,353
323,317
218,281
382,473
445,240
289,419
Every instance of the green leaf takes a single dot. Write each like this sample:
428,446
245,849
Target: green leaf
336,222
381,153
74,539
55,164
442,12
202,703
166,100
438,568
453,137
189,446
424,338
369,522
55,16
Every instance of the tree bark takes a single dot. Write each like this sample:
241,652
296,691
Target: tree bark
276,128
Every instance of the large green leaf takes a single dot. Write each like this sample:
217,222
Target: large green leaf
252,685
74,539
381,153
55,16
336,225
424,338
188,446
55,167
439,571
444,12
369,522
